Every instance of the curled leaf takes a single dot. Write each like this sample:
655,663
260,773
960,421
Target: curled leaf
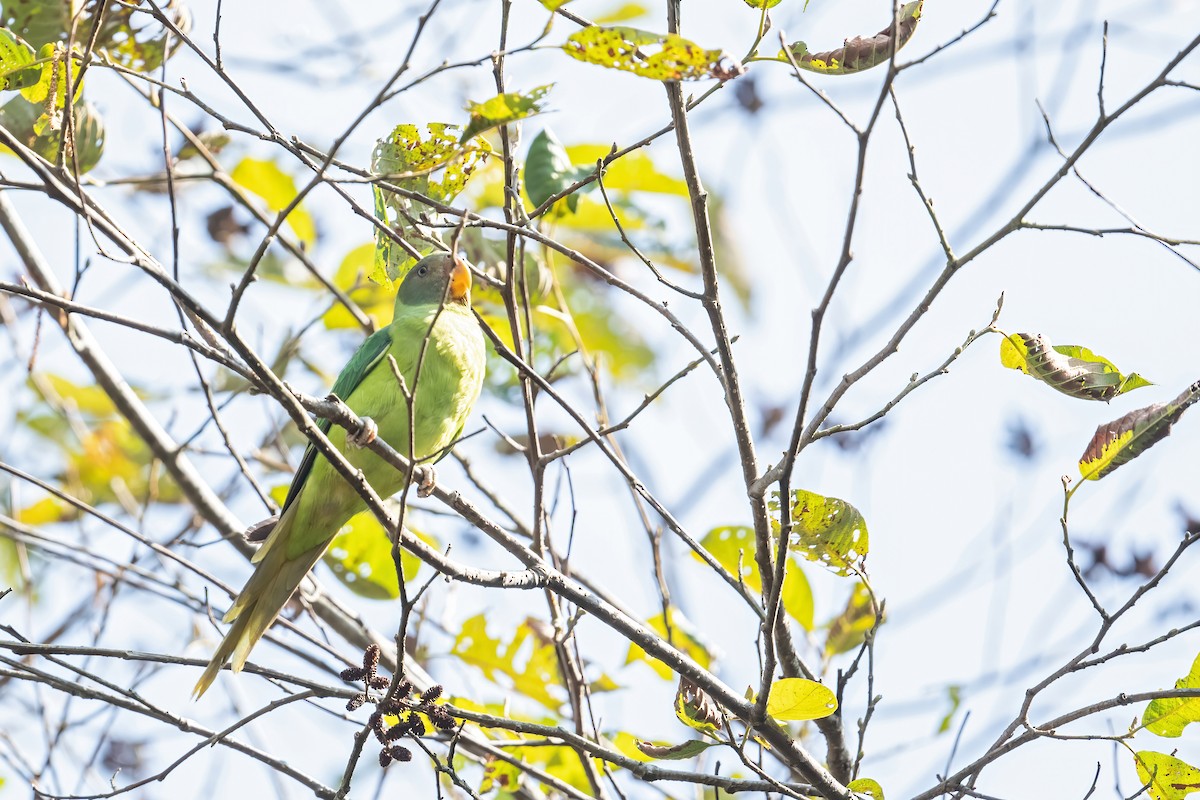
859,53
865,787
794,699
826,529
1124,439
661,56
695,708
1073,370
678,752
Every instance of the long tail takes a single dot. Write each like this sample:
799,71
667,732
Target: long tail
260,601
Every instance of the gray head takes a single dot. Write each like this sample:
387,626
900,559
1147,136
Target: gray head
438,277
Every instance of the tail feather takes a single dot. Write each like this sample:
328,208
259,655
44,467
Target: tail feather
257,606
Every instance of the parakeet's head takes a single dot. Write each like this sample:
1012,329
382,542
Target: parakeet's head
435,278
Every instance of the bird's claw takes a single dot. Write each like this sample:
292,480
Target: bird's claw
426,480
365,434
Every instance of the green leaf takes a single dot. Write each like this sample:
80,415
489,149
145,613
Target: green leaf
867,788
793,699
1166,777
133,38
1073,370
678,752
38,21
278,190
859,53
681,637
954,695
15,56
1168,716
1124,439
50,89
732,546
529,661
548,170
503,109
429,160
28,122
825,529
663,57
848,629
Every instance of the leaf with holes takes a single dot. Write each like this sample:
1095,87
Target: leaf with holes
1166,777
861,52
503,109
662,57
795,699
1124,439
825,529
1168,716
1071,369
15,57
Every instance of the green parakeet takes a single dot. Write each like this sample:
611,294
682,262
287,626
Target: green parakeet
434,326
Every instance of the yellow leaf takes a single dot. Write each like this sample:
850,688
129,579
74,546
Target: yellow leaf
1168,778
277,189
800,699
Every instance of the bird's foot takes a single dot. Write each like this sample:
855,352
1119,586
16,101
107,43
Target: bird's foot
364,435
426,480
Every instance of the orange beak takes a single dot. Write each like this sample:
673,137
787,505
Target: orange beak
460,281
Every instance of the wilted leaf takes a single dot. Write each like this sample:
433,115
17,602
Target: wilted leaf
663,57
826,530
278,190
1170,715
793,699
1124,439
15,57
848,629
732,546
1168,778
503,109
694,708
867,788
678,752
529,660
681,638
859,53
1073,370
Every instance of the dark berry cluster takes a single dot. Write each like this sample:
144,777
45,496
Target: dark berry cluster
399,705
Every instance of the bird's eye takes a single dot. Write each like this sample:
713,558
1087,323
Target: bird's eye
423,271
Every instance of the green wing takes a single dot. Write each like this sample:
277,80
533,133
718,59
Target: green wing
368,354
